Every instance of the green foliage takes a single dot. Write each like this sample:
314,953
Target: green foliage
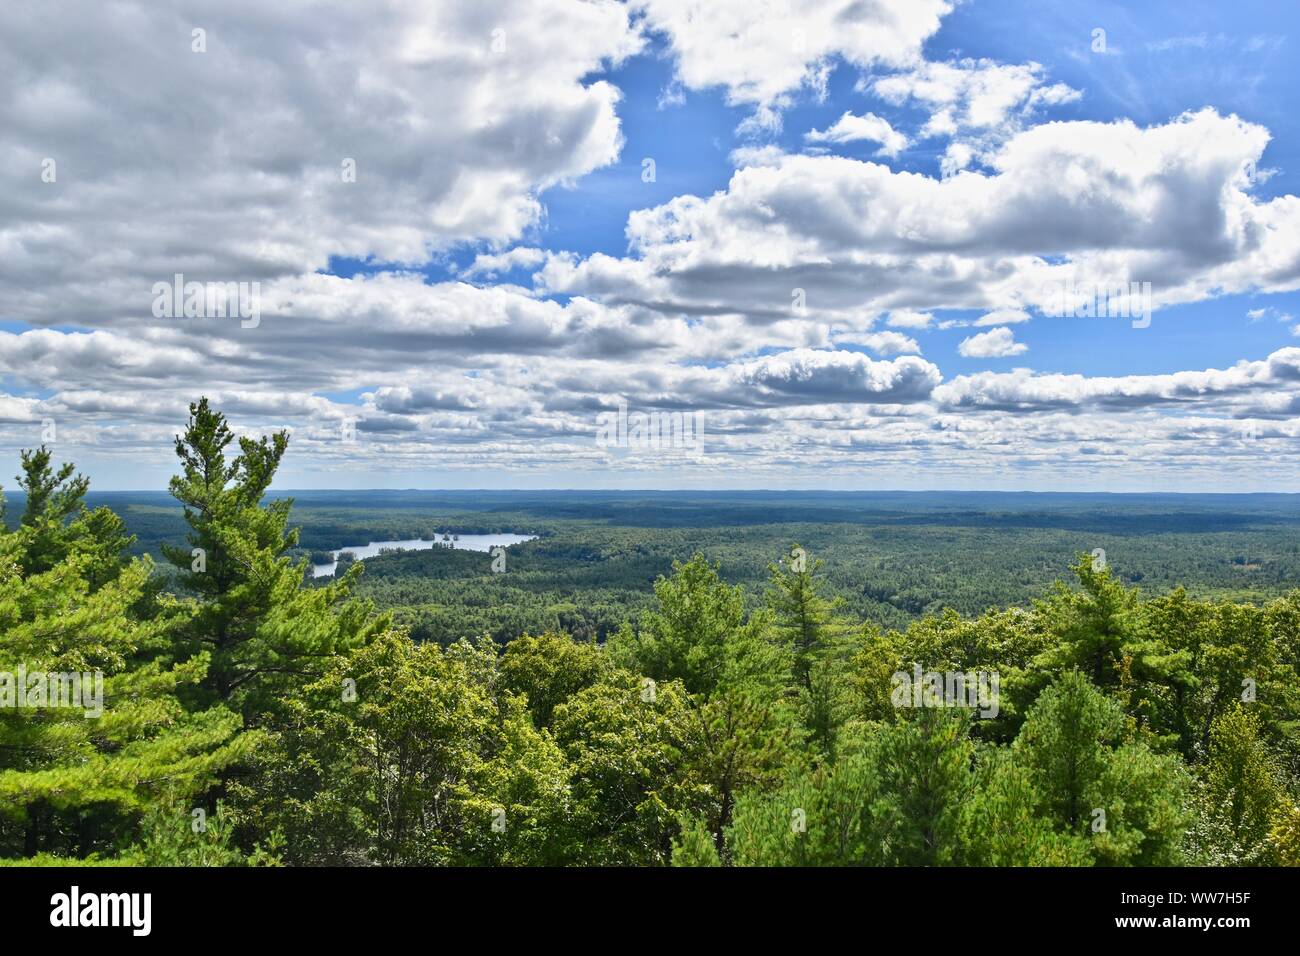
1064,744
550,669
1127,800
1000,825
631,778
264,631
717,724
695,848
78,768
1284,837
401,754
1242,790
179,836
804,621
698,634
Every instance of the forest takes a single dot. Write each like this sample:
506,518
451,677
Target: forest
730,680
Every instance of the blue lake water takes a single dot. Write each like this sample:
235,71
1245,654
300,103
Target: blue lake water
464,542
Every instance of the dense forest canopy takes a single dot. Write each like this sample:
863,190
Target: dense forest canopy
744,679
890,556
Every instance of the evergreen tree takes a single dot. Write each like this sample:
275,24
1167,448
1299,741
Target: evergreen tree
830,816
59,521
1092,626
802,617
1126,800
265,631
84,757
805,621
1064,743
925,768
1001,824
695,847
694,632
745,727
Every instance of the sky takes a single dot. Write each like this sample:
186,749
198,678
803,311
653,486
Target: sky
894,244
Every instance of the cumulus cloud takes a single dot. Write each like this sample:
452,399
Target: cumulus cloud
385,130
886,343
405,303
1082,201
838,376
909,319
995,343
1026,391
973,96
761,54
850,128
490,265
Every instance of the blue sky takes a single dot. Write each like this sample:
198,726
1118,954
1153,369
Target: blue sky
500,273
1172,57
1164,59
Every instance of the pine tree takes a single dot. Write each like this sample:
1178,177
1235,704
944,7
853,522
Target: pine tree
1127,801
694,632
745,729
925,767
59,521
805,621
694,848
1093,625
800,614
1063,743
265,631
81,762
1001,824
830,816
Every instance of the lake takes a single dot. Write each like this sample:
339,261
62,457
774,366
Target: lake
464,542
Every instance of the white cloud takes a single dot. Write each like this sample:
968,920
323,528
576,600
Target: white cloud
823,376
850,128
492,264
909,319
762,53
766,155
973,95
1088,201
995,343
231,170
1024,390
235,167
956,157
978,104
886,343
